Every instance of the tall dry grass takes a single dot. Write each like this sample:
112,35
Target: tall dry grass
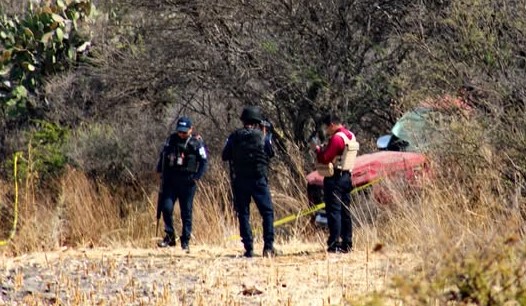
454,210
464,224
441,215
80,211
462,206
466,238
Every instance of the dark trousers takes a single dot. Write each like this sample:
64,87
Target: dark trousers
180,188
244,190
336,194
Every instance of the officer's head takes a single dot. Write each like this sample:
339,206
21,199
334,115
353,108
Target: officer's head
251,115
184,127
331,123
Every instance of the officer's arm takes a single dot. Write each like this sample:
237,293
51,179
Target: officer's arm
227,150
161,155
334,147
160,163
203,162
269,150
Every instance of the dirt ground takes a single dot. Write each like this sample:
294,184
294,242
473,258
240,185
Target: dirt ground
304,275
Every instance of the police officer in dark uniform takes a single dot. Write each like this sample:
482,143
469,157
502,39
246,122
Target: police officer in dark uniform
249,150
182,163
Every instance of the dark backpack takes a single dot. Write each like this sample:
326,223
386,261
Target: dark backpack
249,157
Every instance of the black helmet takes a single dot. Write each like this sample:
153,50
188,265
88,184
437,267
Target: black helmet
251,114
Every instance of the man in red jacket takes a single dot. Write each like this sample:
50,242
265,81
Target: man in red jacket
337,187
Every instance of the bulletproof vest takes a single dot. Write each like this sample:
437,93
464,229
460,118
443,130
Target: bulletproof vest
180,155
249,157
345,162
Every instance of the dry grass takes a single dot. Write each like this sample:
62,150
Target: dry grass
419,232
458,212
83,212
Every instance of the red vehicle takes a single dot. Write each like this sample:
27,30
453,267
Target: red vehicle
373,168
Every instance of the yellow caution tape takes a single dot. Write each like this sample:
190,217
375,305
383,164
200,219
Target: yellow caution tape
15,217
310,210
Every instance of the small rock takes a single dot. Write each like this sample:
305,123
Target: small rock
378,247
6,288
251,291
52,300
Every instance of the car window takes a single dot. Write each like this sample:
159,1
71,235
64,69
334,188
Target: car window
417,128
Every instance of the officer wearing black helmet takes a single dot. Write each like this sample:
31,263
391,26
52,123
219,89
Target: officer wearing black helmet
249,150
182,163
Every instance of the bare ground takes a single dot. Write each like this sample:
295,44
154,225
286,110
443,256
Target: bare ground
210,275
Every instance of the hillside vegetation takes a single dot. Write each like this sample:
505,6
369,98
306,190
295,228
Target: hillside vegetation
90,89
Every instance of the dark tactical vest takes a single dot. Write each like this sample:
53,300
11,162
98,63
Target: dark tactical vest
248,153
180,155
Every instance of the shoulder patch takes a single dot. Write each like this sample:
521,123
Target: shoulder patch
202,152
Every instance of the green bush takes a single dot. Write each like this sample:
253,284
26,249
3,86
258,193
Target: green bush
44,156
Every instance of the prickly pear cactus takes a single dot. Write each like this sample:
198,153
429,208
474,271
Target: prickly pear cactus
51,37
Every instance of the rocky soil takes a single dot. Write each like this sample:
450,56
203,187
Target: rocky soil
304,275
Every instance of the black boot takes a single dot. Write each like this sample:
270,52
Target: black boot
270,251
249,251
334,247
185,246
168,241
346,247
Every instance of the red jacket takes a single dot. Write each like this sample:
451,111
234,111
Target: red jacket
334,148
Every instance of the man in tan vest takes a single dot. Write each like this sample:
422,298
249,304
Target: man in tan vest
335,162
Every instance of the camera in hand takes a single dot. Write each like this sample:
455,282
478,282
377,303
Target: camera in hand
314,139
266,126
